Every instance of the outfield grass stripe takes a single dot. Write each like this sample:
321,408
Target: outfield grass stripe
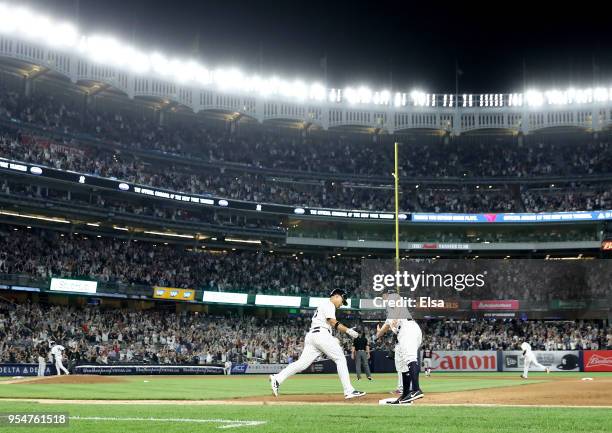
227,423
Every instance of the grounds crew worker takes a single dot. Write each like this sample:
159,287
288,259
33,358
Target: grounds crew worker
361,355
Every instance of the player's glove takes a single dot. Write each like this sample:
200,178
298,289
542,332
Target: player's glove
352,333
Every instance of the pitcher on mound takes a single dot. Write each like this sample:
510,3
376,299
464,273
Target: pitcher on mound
320,341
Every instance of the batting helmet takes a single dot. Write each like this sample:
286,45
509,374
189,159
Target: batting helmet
341,293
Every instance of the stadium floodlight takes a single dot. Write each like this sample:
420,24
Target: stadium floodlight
317,92
228,79
335,95
17,21
397,99
584,96
159,64
556,97
365,95
351,95
419,99
25,24
515,100
382,98
534,98
296,89
64,35
600,94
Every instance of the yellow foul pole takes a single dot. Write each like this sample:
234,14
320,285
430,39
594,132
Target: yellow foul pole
396,176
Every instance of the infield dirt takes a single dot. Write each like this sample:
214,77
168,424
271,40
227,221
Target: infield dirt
548,391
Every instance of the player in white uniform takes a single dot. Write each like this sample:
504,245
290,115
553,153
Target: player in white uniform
320,341
409,338
530,359
57,352
42,364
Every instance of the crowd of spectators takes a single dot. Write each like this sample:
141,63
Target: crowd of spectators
508,335
574,198
300,155
106,336
42,254
110,335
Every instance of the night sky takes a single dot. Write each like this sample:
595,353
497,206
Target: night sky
383,44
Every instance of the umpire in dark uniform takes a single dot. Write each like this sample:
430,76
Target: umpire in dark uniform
361,355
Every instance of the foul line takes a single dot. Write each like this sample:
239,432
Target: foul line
239,402
227,423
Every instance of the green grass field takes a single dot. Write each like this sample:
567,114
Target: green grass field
192,416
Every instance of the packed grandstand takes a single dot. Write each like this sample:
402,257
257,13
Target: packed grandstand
96,187
108,336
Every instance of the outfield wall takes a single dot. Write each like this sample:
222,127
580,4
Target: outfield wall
380,362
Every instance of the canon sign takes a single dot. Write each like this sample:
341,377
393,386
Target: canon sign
465,361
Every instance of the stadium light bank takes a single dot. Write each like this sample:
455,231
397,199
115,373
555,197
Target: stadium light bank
25,24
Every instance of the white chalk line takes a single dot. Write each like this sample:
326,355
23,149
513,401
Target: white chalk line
239,402
227,423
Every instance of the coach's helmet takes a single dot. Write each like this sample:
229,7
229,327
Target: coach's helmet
341,293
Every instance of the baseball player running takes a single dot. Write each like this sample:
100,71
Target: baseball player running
530,359
57,351
409,338
319,341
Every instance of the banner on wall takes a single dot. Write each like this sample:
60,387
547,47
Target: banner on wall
511,305
597,360
257,368
557,360
70,285
119,369
512,217
24,369
173,293
474,360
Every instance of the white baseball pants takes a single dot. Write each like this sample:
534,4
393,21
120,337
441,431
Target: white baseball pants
41,366
315,345
59,367
408,343
530,359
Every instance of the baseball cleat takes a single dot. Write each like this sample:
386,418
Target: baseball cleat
354,394
523,377
402,401
415,395
274,385
369,378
